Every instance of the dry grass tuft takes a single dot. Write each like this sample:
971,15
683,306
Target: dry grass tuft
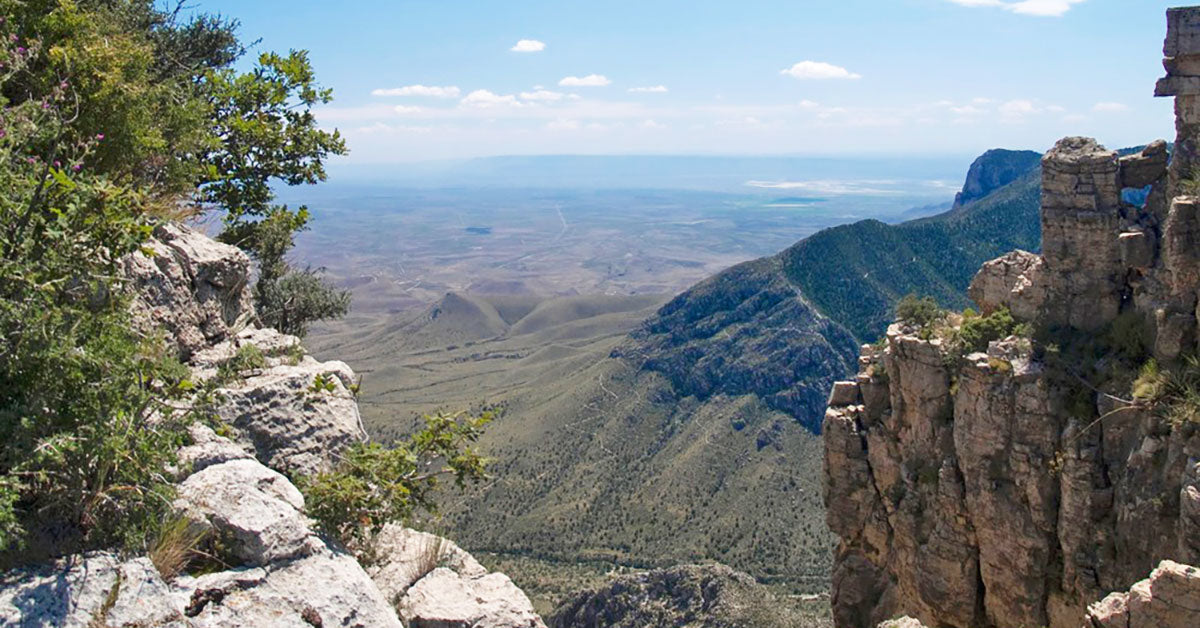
431,550
178,544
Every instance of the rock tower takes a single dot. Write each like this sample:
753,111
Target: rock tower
1011,487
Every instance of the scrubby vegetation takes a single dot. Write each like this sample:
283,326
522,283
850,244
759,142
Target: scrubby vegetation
920,312
373,485
116,115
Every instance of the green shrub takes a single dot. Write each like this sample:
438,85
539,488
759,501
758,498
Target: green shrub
373,485
976,332
921,312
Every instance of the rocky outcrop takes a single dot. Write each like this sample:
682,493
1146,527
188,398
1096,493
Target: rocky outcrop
1010,487
435,584
257,511
447,599
298,417
286,415
1167,599
84,591
689,596
190,287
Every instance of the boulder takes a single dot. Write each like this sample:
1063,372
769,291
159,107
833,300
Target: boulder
189,286
322,590
401,556
207,449
1146,167
1013,281
844,394
446,599
1169,598
254,510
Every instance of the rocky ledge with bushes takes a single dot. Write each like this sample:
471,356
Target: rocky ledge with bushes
282,415
1038,463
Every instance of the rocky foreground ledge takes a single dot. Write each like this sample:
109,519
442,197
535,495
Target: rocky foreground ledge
284,574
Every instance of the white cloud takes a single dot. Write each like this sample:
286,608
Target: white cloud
562,124
654,89
1044,8
542,95
818,70
651,124
448,91
808,104
482,98
404,111
528,45
966,110
1056,109
1110,107
591,80
1017,108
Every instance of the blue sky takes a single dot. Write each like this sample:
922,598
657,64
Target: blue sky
437,79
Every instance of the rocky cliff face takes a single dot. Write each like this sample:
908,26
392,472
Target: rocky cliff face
1018,485
993,170
278,571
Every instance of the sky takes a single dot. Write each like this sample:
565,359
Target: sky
418,80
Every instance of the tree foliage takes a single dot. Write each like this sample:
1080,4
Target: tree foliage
114,114
373,485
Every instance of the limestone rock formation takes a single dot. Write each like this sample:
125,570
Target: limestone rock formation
298,417
402,556
287,415
84,591
1003,488
435,584
257,510
446,599
1167,599
195,289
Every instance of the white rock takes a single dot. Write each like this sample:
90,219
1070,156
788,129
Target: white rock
192,287
444,599
252,507
403,555
325,589
72,593
293,428
208,449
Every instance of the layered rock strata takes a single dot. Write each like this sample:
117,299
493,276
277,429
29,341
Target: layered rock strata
997,489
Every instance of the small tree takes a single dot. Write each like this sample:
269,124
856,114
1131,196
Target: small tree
372,484
921,312
269,133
